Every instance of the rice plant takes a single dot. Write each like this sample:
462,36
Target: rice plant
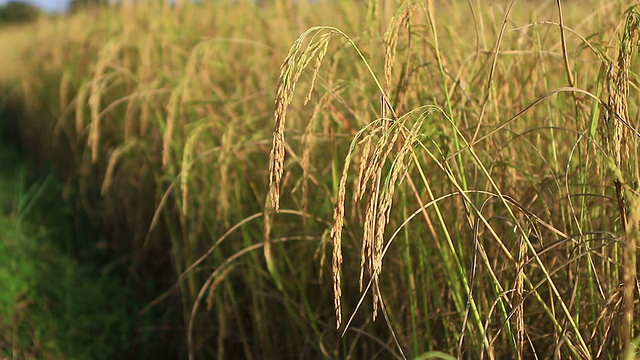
435,179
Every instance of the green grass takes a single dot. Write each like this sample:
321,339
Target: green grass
450,167
52,305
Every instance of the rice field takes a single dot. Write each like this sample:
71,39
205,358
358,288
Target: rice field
350,179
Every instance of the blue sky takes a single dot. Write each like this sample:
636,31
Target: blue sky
47,5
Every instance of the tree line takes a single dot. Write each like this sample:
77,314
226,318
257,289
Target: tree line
15,12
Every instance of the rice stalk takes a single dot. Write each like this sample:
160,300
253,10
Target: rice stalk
360,187
296,61
373,17
615,136
390,40
98,85
113,162
223,207
173,115
65,87
630,280
369,263
519,298
187,156
322,46
307,149
80,100
396,175
336,230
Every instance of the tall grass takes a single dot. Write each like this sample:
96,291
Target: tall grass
466,170
52,305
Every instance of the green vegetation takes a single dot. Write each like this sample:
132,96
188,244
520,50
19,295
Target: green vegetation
463,171
51,305
18,12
